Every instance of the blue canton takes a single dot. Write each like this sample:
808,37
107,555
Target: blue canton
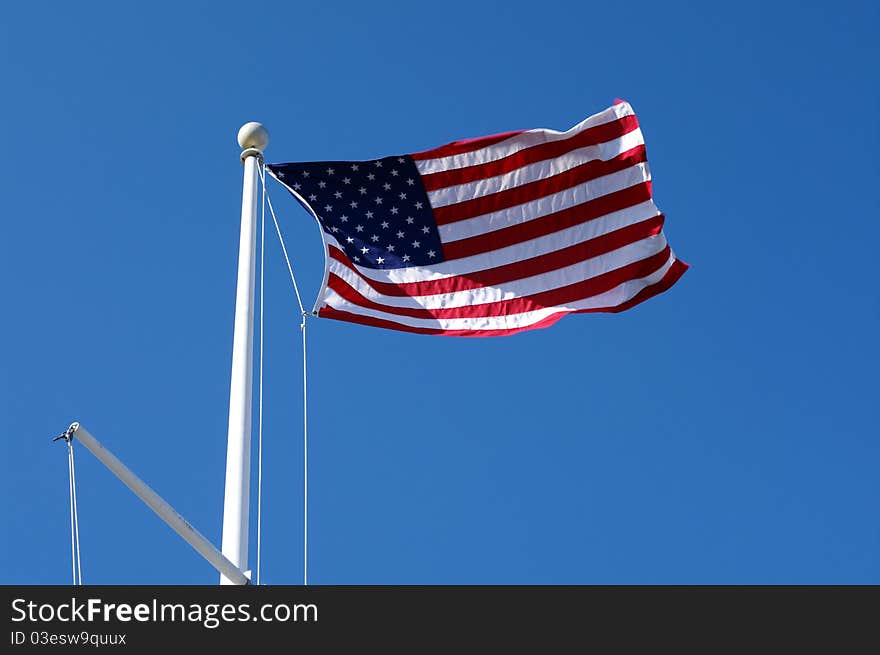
377,210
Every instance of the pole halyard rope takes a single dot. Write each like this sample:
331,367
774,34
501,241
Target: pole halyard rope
305,459
260,401
302,326
284,250
75,559
72,519
75,513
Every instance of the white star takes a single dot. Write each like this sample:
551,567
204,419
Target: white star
378,164
334,229
380,260
405,258
313,197
416,244
386,186
425,229
322,184
409,220
349,240
371,177
385,224
365,250
378,200
394,173
390,247
280,174
330,171
343,218
410,181
431,253
363,191
401,160
338,194
305,173
401,195
374,238
356,258
359,228
328,208
353,204
369,214
346,180
354,167
394,210
400,235
419,205
297,186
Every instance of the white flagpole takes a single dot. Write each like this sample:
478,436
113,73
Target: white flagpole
253,138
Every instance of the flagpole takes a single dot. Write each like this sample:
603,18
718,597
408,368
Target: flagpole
253,138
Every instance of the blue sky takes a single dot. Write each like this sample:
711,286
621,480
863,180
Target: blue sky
723,432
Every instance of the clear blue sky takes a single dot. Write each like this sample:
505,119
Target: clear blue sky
723,432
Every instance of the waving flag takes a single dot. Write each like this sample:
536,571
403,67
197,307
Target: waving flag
490,236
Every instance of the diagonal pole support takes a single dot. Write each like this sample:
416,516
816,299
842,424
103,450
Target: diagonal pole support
156,503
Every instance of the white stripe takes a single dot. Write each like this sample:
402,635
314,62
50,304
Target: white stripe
511,289
528,211
520,142
515,253
616,296
540,170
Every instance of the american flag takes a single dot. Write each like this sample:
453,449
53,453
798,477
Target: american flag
490,236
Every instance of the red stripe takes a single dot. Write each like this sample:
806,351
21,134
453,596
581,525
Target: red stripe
548,224
330,312
463,146
549,298
534,154
672,276
517,270
677,269
539,188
